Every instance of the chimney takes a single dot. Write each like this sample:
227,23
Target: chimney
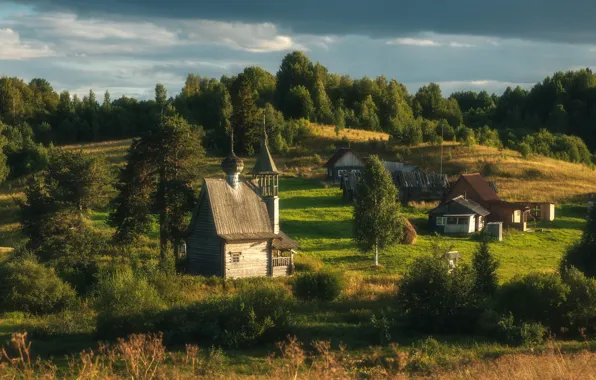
273,210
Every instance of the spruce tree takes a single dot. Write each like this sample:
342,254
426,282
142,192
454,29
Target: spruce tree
582,255
377,223
485,266
157,180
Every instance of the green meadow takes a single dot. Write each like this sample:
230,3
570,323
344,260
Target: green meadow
321,221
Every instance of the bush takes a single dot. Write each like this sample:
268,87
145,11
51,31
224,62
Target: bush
438,300
123,300
258,312
580,307
322,286
26,285
536,297
582,254
526,334
304,263
76,319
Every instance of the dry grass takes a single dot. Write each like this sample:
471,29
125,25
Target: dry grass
530,367
328,132
368,287
145,357
534,179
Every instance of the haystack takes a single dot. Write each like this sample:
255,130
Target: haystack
410,234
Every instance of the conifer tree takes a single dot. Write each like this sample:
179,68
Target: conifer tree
157,180
485,266
582,255
377,223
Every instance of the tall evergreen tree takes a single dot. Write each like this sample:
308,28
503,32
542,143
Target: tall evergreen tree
377,223
485,266
157,180
582,255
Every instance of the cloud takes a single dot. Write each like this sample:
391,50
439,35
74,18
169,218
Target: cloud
456,44
101,35
527,19
12,48
412,42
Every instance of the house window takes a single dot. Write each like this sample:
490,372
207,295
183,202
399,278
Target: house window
463,220
441,220
451,220
341,172
517,216
235,257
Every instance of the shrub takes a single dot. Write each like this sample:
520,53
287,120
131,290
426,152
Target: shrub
76,319
536,297
582,255
322,286
258,312
26,285
580,306
304,263
526,334
81,275
124,300
436,299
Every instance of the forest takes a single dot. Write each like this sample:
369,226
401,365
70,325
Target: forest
555,118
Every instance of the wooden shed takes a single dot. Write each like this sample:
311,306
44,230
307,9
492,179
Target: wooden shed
234,231
416,186
457,216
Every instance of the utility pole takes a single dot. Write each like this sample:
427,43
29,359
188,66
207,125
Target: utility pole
441,148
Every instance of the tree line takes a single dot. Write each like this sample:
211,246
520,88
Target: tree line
33,115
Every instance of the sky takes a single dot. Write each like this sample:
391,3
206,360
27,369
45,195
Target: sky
127,46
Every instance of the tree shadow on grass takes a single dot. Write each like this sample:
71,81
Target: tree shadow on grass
318,229
299,202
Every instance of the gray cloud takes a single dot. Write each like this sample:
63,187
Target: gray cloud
570,21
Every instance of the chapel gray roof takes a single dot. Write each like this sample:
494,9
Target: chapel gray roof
237,213
265,163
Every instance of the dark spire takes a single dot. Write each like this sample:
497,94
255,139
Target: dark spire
265,163
232,164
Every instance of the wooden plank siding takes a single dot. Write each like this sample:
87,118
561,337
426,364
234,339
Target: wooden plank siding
203,245
254,259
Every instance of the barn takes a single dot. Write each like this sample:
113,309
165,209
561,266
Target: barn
476,188
234,231
416,186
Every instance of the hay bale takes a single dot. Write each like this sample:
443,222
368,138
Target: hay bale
410,234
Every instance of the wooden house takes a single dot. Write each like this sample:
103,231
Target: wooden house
457,216
344,161
476,188
234,231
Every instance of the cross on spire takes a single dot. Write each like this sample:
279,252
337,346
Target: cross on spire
232,140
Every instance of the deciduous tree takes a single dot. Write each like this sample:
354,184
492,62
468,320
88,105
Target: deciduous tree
377,223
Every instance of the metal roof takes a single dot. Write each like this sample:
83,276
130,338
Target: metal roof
458,205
